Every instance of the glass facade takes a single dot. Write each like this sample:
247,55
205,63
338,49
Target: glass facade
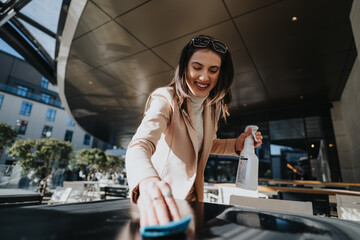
68,135
1,99
298,142
70,122
22,91
21,126
45,98
45,13
50,115
25,108
47,131
44,83
87,139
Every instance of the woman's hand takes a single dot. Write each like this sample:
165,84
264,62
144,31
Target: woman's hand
239,143
156,203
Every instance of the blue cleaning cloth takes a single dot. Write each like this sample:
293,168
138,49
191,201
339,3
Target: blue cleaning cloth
165,230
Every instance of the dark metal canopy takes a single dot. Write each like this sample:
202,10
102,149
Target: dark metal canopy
284,52
13,31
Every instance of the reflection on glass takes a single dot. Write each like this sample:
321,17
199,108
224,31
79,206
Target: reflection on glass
272,222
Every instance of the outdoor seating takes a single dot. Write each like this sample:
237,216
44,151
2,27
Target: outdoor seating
320,202
273,204
19,197
112,192
348,207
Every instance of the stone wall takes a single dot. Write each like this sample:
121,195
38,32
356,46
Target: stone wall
346,112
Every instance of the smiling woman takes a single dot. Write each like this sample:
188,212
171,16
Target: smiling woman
167,156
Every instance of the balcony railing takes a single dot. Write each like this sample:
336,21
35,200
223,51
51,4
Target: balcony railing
32,96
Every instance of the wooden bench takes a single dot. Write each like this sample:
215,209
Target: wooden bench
19,197
116,191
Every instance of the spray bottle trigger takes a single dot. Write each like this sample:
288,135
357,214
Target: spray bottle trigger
254,135
253,131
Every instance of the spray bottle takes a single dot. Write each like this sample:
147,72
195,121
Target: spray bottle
247,174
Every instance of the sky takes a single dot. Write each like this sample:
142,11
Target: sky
45,12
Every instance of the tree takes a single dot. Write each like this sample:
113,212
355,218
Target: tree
97,160
115,162
93,158
7,136
41,154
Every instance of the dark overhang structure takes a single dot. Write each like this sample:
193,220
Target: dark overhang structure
115,53
285,53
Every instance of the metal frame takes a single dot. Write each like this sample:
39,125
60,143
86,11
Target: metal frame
18,36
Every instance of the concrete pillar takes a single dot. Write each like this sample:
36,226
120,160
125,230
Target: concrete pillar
346,112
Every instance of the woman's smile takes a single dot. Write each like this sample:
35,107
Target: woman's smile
202,86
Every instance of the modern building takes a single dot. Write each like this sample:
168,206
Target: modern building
31,105
296,71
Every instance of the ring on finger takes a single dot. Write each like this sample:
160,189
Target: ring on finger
169,195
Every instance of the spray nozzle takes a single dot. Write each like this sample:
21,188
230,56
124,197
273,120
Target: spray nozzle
254,128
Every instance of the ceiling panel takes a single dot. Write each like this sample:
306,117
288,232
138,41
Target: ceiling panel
241,61
118,91
120,94
124,91
135,67
92,17
225,32
112,43
75,67
148,84
287,84
164,20
281,32
116,8
79,102
248,89
137,103
83,77
275,59
237,7
71,91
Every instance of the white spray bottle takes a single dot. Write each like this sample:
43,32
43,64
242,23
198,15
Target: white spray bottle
247,173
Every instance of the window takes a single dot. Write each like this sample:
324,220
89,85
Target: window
287,129
70,122
45,98
68,135
1,99
25,108
22,91
21,126
50,115
44,83
87,139
47,131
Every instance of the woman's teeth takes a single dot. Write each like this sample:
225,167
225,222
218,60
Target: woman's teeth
200,85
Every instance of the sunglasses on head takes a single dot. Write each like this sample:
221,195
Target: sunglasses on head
203,42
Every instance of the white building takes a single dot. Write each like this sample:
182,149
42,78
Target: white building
31,105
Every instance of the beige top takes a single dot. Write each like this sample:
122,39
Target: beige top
197,109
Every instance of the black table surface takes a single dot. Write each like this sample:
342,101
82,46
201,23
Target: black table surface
119,219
